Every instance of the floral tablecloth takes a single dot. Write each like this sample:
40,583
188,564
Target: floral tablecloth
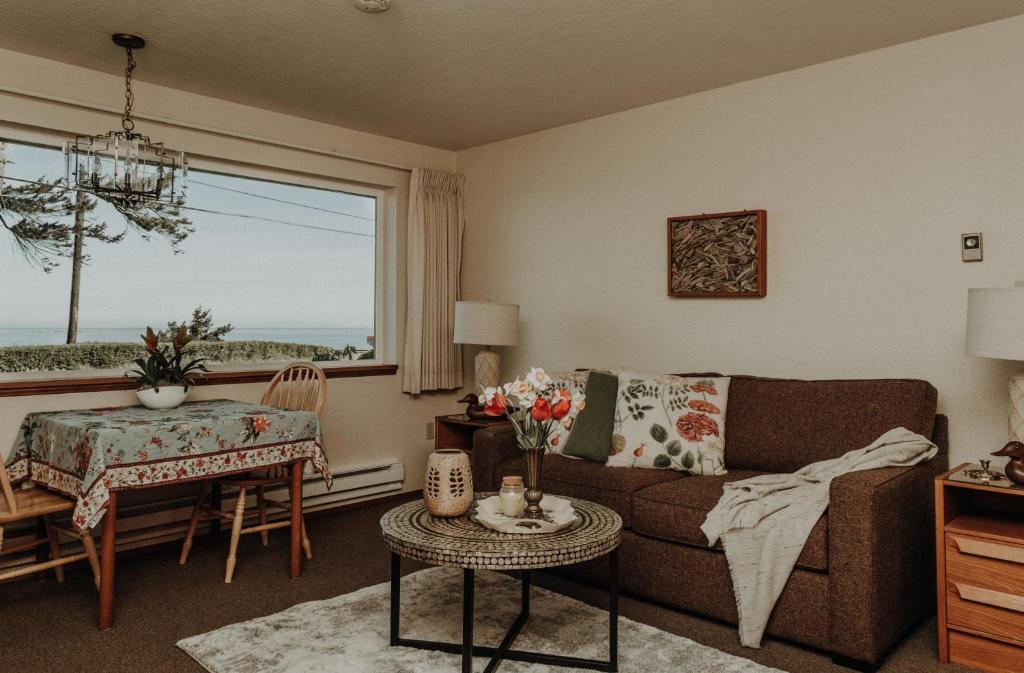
88,453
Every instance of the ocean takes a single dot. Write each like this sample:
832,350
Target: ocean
334,337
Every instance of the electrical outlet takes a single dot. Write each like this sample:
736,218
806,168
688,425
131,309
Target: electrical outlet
430,429
970,247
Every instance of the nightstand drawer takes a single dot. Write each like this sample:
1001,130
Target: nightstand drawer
986,564
985,654
985,610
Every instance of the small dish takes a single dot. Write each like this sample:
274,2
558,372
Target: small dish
558,514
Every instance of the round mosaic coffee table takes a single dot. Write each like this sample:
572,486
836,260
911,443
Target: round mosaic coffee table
410,532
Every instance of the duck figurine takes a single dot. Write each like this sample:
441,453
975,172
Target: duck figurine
1015,468
474,409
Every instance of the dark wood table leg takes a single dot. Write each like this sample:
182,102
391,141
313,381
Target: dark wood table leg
109,543
467,620
217,502
42,550
296,527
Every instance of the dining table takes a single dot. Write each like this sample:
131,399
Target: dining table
92,455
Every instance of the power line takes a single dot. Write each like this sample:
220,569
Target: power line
275,200
229,214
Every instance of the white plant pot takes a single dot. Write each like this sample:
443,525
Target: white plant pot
167,397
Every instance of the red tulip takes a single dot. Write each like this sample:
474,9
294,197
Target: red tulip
497,405
560,409
541,410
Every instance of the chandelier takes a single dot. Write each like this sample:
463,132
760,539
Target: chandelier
125,167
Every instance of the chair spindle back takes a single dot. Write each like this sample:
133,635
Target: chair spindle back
300,386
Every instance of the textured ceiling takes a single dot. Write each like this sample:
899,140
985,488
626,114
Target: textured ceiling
460,73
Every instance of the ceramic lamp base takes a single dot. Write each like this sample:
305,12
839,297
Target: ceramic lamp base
1017,408
488,368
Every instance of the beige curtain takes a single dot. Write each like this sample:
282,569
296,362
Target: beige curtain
435,226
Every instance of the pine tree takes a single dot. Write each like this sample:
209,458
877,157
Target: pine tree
147,219
34,214
200,328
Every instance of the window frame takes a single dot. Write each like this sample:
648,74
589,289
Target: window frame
384,361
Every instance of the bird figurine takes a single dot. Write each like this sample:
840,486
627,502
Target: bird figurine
474,409
1015,468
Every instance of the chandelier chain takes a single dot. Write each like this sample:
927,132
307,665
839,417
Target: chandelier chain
129,97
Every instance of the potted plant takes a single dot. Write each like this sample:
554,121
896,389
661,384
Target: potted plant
163,380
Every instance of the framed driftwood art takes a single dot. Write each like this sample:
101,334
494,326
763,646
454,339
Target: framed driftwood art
717,255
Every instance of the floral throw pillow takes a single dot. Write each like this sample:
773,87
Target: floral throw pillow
670,422
575,383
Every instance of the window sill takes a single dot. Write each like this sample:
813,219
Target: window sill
89,384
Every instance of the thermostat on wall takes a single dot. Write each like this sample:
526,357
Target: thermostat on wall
970,247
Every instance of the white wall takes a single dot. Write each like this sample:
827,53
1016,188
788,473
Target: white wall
366,420
870,168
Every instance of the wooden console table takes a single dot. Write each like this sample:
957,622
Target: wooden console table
455,431
979,545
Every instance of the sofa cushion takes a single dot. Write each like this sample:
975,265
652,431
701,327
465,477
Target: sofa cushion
576,383
592,481
674,511
591,435
670,422
781,425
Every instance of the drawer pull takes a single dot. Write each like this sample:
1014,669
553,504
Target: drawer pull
990,597
966,545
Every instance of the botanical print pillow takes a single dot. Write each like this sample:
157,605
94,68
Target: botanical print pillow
575,383
670,422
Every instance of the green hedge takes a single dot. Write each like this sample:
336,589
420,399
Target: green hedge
99,355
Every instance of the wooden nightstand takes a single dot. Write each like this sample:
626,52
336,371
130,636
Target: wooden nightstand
979,545
456,430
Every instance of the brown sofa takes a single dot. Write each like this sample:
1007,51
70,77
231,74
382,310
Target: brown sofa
866,575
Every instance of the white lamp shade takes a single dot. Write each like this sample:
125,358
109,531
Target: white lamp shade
486,323
995,322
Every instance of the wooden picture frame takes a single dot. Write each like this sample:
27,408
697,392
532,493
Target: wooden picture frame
718,255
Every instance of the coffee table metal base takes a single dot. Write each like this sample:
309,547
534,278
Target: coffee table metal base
504,651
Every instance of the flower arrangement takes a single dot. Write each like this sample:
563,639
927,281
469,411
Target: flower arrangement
160,368
534,404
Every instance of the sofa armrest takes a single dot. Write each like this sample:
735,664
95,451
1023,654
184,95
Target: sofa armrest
881,557
491,447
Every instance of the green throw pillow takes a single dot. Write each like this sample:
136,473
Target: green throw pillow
591,436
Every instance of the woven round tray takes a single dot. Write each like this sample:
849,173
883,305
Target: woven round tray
459,542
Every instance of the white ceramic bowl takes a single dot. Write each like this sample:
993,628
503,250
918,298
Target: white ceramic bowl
559,513
167,397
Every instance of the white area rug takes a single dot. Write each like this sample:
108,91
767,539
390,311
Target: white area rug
350,633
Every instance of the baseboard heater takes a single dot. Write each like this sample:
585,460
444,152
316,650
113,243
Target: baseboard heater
163,521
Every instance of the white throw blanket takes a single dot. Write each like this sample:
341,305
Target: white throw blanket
764,521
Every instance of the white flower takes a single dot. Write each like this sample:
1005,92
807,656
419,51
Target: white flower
518,388
489,394
538,378
526,401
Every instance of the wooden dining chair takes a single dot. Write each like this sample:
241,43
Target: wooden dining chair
300,386
22,504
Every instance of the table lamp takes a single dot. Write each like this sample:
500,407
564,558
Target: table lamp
995,329
486,324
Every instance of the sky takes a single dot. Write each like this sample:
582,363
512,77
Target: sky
252,273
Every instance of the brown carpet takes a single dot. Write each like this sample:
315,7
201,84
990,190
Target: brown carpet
48,627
